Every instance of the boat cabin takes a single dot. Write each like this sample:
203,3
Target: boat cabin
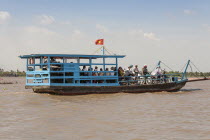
71,70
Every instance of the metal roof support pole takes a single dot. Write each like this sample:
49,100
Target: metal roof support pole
103,49
33,58
184,73
64,73
48,68
104,64
159,63
117,70
78,60
40,62
64,60
90,62
26,70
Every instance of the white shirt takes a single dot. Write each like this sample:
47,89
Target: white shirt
157,71
136,69
128,72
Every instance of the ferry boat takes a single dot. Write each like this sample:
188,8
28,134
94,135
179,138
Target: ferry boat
62,74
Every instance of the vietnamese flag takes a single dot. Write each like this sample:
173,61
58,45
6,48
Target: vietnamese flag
99,42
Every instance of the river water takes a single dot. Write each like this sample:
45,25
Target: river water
183,115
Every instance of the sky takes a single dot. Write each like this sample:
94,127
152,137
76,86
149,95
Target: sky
146,31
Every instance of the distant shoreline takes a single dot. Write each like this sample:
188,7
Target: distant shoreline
12,73
12,76
6,83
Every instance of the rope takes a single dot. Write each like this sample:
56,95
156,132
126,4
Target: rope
167,66
106,50
155,67
183,67
198,69
191,68
97,50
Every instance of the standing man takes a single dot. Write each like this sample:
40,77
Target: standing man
136,71
128,74
144,73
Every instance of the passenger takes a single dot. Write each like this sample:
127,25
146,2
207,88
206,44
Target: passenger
45,59
145,73
52,60
165,78
144,70
45,66
120,73
129,73
112,73
136,72
156,74
157,71
95,73
54,67
101,74
107,73
84,69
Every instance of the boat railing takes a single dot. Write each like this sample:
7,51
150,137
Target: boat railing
70,76
58,66
150,79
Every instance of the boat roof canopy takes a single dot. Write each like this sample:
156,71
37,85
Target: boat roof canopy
71,56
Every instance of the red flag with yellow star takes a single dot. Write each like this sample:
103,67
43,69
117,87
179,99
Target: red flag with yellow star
99,42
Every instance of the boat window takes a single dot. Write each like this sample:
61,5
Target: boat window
56,80
71,60
97,61
84,60
30,68
45,80
69,80
56,74
56,67
37,75
30,75
69,74
38,68
56,60
45,75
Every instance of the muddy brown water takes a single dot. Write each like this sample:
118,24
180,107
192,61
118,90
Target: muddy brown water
183,115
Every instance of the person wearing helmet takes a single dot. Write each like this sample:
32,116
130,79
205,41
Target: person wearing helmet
145,70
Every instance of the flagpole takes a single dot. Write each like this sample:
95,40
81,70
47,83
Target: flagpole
103,50
103,58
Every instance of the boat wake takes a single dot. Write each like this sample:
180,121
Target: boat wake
187,90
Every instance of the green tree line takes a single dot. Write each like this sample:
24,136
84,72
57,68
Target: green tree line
11,73
192,74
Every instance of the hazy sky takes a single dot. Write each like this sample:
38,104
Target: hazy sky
146,31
